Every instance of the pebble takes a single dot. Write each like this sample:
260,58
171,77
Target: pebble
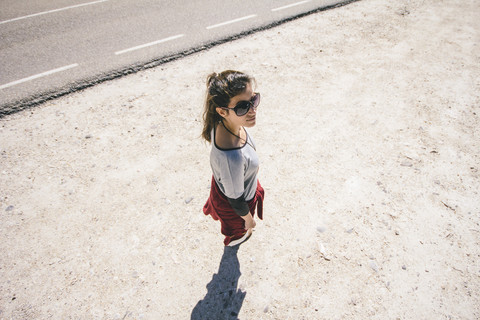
323,251
406,164
9,208
321,229
349,230
373,265
404,267
403,12
188,200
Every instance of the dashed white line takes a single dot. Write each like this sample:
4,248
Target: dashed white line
231,21
149,44
290,5
43,74
51,11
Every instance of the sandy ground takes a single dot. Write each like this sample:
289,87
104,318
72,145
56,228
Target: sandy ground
368,134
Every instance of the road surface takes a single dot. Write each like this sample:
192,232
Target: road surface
49,48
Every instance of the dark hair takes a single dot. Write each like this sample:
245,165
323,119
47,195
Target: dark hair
220,89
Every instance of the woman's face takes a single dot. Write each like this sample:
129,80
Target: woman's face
247,120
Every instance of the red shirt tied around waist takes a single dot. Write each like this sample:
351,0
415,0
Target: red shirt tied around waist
233,226
230,107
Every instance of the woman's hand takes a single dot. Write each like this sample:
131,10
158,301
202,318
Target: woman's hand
250,224
249,221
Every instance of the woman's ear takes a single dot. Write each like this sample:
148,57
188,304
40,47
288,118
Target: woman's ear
222,112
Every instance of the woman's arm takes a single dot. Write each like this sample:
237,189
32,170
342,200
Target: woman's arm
240,207
249,221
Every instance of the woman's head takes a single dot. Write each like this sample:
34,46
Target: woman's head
223,89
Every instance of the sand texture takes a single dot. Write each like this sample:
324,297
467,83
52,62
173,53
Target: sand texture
369,142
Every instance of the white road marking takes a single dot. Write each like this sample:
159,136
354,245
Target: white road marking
43,74
291,5
231,21
51,11
149,44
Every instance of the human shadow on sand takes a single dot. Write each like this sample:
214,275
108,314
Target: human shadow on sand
223,300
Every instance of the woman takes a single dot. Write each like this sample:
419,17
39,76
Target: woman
231,106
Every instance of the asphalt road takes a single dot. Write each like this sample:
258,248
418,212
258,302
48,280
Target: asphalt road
49,48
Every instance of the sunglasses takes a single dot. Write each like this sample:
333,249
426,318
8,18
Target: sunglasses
242,107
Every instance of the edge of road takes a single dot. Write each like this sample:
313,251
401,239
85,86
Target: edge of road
37,99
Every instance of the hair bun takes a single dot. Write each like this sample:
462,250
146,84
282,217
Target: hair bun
211,78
